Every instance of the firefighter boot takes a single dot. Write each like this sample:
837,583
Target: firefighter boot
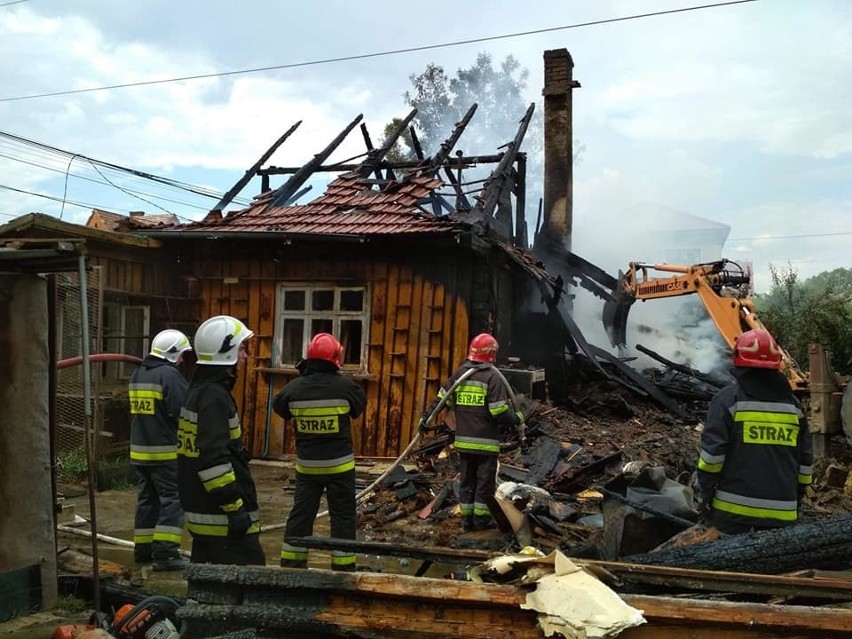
468,523
483,522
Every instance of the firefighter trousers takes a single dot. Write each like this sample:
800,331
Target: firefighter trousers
340,494
158,523
477,486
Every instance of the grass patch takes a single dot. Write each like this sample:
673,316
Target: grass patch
71,604
73,463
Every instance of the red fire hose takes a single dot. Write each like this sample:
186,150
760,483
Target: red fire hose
99,357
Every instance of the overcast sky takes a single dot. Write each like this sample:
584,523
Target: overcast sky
740,114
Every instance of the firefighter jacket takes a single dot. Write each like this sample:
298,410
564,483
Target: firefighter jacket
756,450
323,403
213,473
156,392
481,404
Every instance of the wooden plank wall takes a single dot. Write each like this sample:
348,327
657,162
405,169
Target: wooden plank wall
418,334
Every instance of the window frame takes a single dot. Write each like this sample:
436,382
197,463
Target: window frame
308,315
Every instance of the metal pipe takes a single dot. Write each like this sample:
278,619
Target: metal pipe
99,357
87,433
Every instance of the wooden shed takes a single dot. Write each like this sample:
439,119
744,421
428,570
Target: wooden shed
135,287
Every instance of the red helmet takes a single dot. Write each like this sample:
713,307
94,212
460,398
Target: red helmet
325,346
757,349
483,348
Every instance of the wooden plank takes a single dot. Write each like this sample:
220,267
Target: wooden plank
398,606
748,616
260,348
399,336
373,420
390,413
411,372
424,361
461,321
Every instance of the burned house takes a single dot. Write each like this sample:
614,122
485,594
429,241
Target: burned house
397,259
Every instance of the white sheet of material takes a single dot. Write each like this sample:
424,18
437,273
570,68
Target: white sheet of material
569,600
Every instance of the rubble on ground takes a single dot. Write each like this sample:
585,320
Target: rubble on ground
570,477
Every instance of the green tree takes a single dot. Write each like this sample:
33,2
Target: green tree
498,91
818,309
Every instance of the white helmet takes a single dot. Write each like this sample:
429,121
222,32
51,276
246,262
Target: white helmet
169,344
218,339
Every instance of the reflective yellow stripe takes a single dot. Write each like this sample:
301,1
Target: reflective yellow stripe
488,448
757,513
233,506
342,560
710,468
218,482
153,456
325,470
290,555
805,480
762,416
319,411
143,539
499,409
164,536
145,394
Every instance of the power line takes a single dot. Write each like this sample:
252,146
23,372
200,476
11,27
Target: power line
7,4
47,150
80,176
378,54
788,237
85,205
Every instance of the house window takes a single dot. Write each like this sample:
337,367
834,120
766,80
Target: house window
125,330
304,311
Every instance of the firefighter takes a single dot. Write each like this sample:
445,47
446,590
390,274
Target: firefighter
156,391
482,405
756,448
322,402
216,488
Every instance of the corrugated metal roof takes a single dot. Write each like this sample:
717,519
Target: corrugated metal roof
348,207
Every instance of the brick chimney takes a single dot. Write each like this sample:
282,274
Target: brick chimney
558,153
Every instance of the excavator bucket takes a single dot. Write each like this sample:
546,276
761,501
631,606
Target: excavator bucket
614,316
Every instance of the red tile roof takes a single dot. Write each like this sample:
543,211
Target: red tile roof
348,207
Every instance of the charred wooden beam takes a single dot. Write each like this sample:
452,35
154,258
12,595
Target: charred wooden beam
462,203
521,235
814,545
496,183
443,153
644,384
682,368
375,156
240,184
286,191
462,161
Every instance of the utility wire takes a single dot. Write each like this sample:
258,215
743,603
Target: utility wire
56,163
51,150
183,185
8,4
85,205
378,54
80,176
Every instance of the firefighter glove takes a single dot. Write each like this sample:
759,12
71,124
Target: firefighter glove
238,524
423,427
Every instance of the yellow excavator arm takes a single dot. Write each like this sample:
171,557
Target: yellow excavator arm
723,287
